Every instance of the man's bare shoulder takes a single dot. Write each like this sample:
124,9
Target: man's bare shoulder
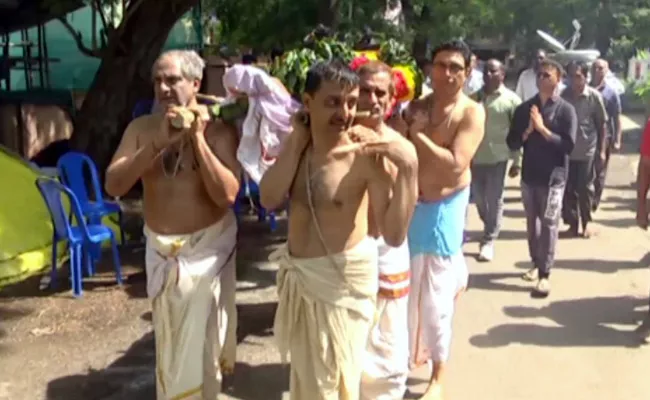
143,124
420,104
219,131
472,111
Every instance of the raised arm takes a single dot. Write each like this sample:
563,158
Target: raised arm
278,179
220,171
392,200
565,137
456,159
130,160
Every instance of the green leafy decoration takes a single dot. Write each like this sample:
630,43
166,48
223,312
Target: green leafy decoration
292,68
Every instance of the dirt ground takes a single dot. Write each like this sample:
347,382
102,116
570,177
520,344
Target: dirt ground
92,348
578,344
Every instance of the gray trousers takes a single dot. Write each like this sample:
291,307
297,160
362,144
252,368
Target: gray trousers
487,190
543,206
579,194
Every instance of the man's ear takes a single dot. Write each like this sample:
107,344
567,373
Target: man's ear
196,84
306,100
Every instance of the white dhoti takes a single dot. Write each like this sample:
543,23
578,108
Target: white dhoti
437,281
191,282
325,310
386,364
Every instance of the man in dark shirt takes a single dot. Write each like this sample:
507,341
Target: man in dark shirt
545,126
612,100
590,138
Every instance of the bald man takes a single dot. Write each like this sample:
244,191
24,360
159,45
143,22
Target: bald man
599,72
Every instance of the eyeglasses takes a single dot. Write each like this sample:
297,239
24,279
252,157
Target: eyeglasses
543,75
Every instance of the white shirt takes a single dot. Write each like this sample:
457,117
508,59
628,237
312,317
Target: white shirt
474,82
614,83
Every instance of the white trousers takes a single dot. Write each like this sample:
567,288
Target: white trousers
436,282
386,364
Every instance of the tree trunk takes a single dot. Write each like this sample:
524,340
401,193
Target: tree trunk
124,77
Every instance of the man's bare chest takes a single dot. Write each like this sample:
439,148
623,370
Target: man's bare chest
332,184
443,133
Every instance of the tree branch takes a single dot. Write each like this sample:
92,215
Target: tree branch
79,40
131,8
97,4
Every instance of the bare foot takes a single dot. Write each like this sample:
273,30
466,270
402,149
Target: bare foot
572,232
434,392
589,232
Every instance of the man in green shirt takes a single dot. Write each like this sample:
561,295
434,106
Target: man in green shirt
491,159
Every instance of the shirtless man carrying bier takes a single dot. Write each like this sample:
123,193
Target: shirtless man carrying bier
446,128
386,365
190,179
327,282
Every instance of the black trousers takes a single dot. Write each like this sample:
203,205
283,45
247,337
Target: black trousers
579,193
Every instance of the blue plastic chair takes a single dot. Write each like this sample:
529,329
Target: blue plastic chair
71,168
79,236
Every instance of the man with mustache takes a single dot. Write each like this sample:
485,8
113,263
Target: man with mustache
491,159
446,128
386,365
334,176
591,140
190,177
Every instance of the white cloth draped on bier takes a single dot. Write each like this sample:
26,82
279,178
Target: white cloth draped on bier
268,121
191,283
325,311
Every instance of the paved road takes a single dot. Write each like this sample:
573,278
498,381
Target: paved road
577,344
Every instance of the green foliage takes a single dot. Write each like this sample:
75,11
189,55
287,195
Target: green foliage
292,68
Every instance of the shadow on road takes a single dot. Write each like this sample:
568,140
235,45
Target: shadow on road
595,265
255,319
505,234
133,372
132,375
493,281
583,323
6,314
262,382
